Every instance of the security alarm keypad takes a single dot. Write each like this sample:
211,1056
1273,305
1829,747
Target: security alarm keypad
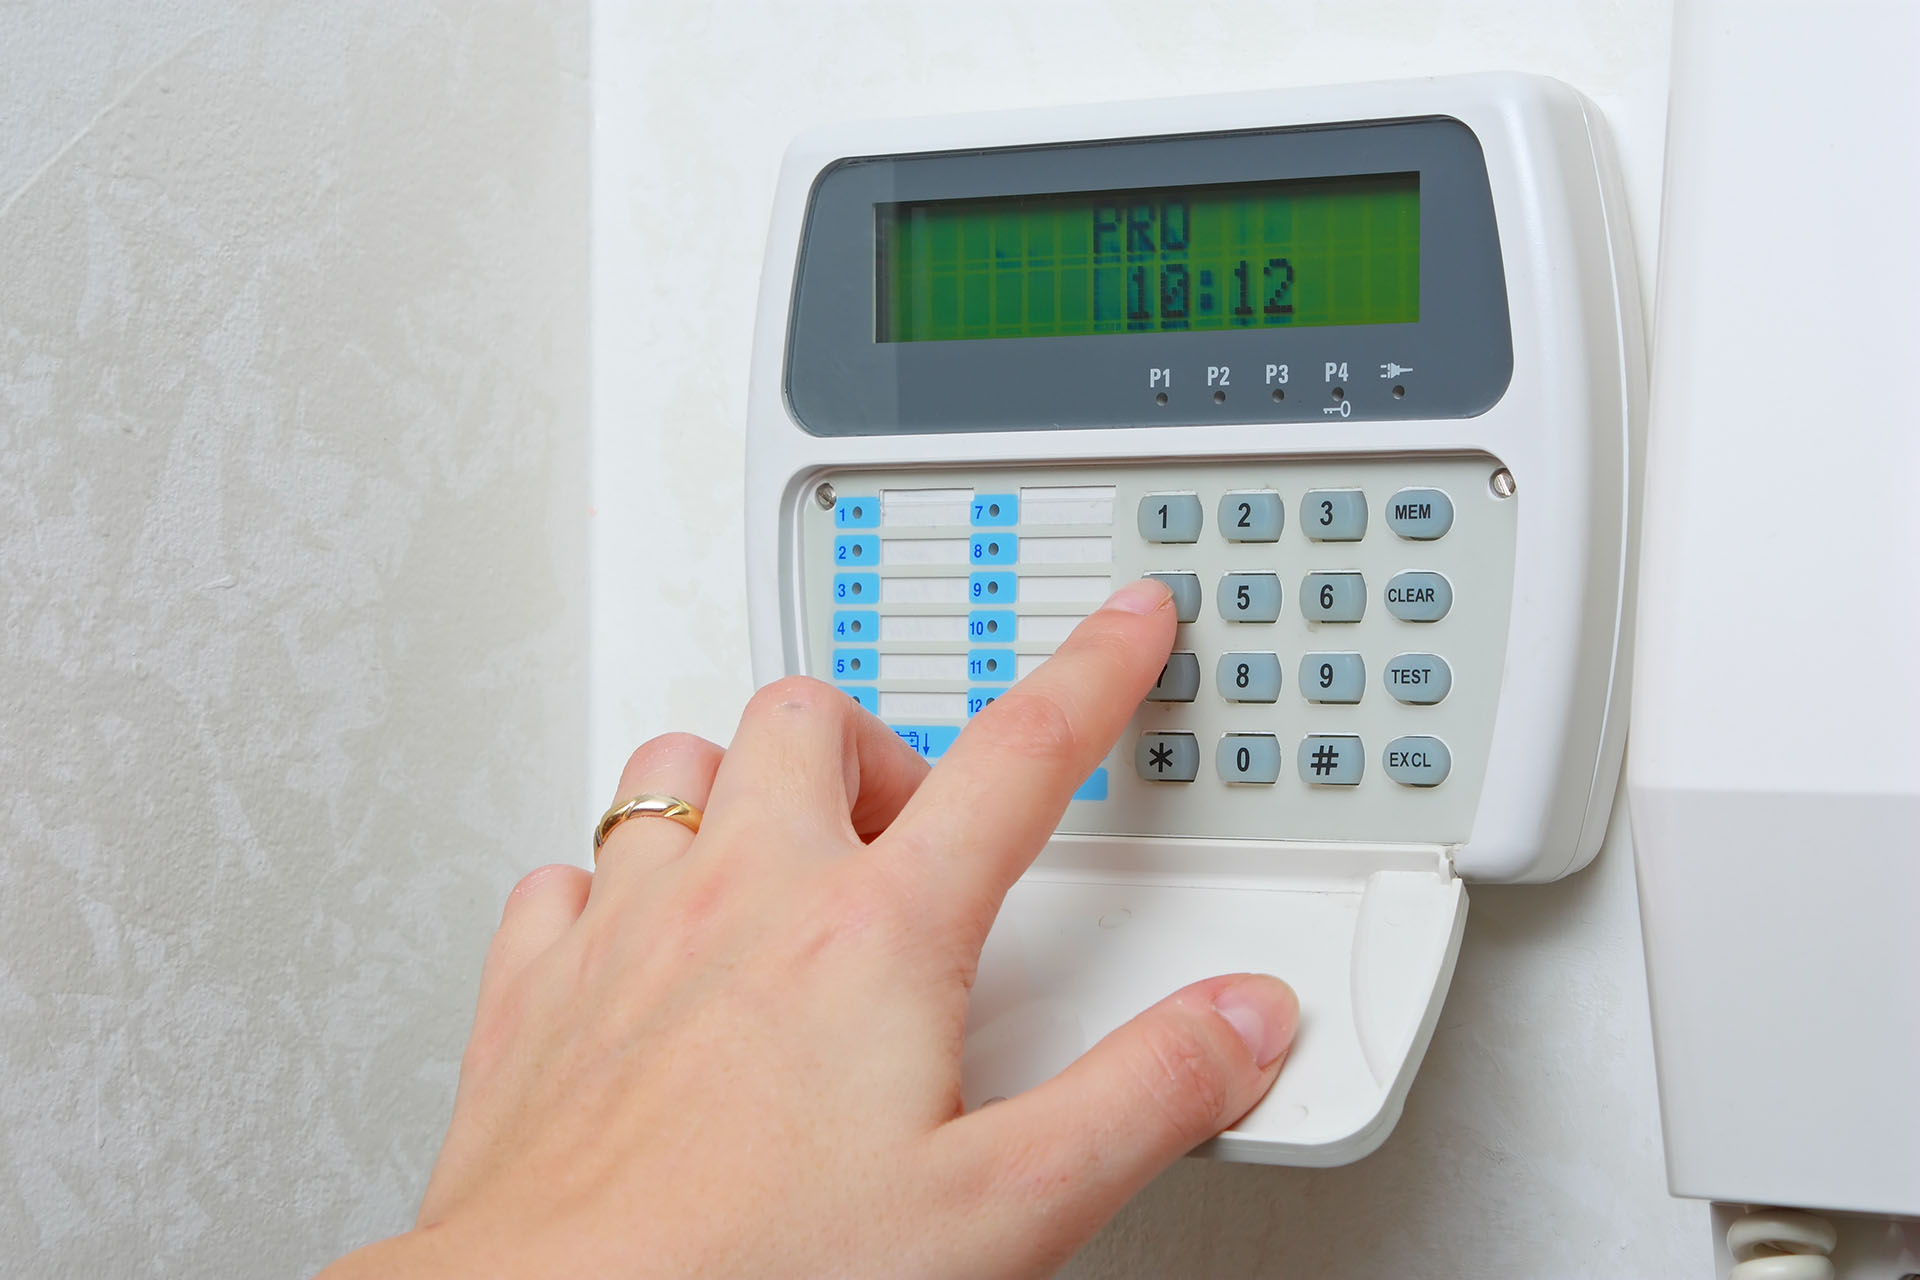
1338,659
1355,372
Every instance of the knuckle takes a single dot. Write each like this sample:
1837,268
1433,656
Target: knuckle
1185,1080
541,880
1031,725
656,753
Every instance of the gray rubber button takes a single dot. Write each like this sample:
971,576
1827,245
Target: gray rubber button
1420,514
1333,597
1251,597
1334,515
1167,757
1248,757
1417,761
1417,596
1186,594
1179,680
1333,677
1334,760
1419,678
1170,517
1251,515
1248,677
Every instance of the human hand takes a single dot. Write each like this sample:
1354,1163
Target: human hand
738,1053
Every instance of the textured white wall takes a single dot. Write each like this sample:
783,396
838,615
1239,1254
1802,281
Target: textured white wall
293,387
1530,1147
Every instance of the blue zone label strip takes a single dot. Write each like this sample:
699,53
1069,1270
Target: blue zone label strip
930,740
996,510
861,512
866,697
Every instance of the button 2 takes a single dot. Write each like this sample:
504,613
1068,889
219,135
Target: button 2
1167,757
1334,515
1253,515
1170,517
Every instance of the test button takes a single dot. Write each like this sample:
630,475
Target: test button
1417,761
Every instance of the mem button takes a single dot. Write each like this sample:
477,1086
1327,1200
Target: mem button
1167,757
1420,515
1170,517
1331,760
1417,761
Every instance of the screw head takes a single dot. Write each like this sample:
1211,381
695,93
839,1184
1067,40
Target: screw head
1502,484
825,496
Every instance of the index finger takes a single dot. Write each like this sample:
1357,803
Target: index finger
990,804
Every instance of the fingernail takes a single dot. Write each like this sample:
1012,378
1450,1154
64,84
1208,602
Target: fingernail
1265,1012
1143,596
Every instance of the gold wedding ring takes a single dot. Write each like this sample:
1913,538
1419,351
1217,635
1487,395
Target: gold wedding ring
645,806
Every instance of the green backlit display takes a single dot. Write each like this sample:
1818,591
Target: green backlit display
1323,251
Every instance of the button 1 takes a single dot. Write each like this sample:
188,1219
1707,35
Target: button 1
1417,761
1186,594
1251,597
1331,760
1420,514
1248,757
1170,517
1419,678
1333,677
1248,677
1334,515
1179,680
1419,597
1333,597
1167,757
1253,515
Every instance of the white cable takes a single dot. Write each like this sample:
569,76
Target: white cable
1781,1244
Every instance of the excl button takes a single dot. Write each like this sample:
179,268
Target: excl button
1417,761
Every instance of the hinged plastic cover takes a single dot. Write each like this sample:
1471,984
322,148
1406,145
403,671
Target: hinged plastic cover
1369,947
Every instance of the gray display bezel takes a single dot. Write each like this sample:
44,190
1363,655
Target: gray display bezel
842,381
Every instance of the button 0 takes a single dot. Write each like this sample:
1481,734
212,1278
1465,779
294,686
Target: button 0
1417,761
1250,597
1186,594
1419,597
1170,517
1333,597
1333,677
1420,515
1179,680
1334,515
1167,757
1248,757
1254,515
1331,760
1248,677
1418,678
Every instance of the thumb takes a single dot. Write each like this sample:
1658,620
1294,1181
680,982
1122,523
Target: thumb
1065,1156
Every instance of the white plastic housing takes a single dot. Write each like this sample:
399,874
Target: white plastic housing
1103,927
1775,786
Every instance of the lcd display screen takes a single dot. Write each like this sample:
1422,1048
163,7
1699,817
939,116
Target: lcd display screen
1292,254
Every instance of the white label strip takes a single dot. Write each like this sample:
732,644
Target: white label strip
1064,550
927,550
923,590
1030,663
1034,628
1036,590
924,666
1073,504
944,630
925,506
923,706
